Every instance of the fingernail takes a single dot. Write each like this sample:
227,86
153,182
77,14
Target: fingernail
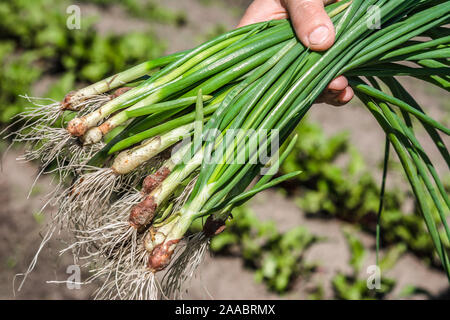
319,35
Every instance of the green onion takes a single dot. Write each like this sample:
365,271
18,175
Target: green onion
240,96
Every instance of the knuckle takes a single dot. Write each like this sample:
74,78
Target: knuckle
308,4
304,4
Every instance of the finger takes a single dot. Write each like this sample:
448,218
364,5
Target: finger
263,10
338,84
327,97
312,24
345,96
339,98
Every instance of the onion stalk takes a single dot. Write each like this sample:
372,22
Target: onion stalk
240,96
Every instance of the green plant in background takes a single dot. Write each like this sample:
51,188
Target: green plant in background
18,73
349,192
355,286
215,31
277,258
409,229
39,217
327,189
11,262
147,9
35,42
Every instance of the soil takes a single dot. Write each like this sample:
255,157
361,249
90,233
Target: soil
219,277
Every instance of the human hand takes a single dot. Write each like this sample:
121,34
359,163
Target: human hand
314,29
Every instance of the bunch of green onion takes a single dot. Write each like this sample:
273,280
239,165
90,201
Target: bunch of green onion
131,203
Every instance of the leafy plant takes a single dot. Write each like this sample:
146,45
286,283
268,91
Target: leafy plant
349,192
327,189
277,258
355,287
147,9
35,42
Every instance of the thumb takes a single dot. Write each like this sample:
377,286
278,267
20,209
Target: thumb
312,24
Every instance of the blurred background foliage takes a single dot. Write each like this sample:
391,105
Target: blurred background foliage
35,43
349,192
36,47
326,189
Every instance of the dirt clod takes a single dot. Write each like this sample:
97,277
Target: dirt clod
160,256
152,181
142,213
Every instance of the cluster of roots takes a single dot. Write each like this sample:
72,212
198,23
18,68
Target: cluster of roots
126,262
109,215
